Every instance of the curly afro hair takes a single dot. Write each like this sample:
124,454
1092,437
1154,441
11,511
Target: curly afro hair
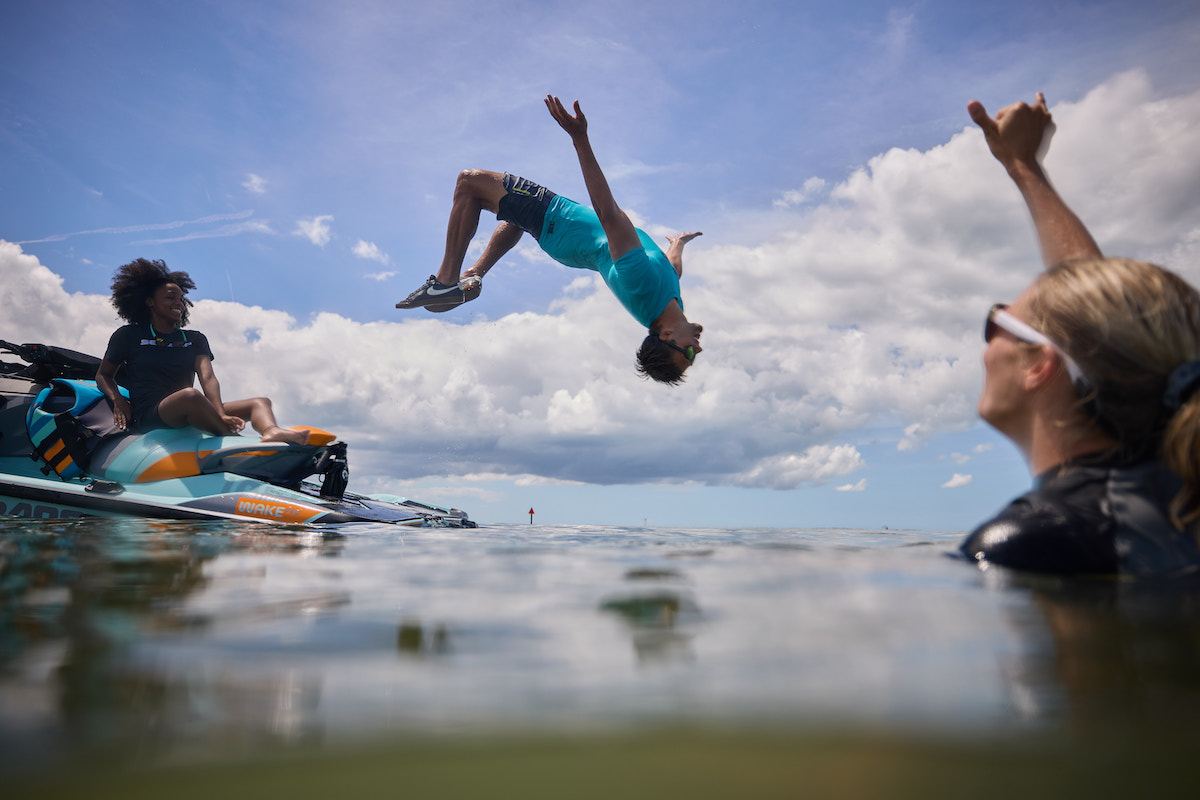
136,281
654,360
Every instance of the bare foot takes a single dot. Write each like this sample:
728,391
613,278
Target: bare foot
278,434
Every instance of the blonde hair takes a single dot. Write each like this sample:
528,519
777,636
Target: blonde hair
1129,325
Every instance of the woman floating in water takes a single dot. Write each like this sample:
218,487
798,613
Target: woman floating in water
162,360
1093,373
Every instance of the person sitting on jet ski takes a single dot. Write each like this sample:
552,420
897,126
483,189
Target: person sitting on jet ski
644,279
162,360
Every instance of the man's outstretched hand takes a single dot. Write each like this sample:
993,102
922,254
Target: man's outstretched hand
680,239
575,125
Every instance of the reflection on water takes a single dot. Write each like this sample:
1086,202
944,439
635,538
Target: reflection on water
414,639
1126,654
152,642
653,619
657,618
78,599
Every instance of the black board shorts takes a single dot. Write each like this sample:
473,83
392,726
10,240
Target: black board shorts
524,204
149,421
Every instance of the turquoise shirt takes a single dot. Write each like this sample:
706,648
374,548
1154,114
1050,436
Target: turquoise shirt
643,280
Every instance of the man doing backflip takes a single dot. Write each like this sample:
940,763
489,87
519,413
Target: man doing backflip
644,278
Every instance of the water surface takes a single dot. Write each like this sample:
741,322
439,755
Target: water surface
142,642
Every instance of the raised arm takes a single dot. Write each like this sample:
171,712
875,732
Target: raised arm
675,245
1014,137
622,236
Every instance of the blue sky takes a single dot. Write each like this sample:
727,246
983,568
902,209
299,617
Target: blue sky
297,160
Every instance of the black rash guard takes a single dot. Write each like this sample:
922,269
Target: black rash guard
155,365
1090,518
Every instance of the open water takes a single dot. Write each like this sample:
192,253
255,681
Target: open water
135,644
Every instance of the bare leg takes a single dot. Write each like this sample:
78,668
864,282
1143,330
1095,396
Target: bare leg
474,191
504,238
259,412
191,407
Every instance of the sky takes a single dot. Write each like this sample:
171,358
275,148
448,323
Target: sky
297,159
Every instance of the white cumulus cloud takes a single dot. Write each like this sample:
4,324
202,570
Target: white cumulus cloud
371,252
795,197
317,230
870,332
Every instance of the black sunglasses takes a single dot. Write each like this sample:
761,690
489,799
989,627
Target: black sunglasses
990,326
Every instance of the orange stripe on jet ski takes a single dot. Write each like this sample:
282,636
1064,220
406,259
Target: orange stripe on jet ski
53,451
176,465
273,510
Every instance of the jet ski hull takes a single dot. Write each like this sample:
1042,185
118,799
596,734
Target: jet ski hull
216,496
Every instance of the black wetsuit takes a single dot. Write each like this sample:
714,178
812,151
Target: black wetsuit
1093,518
155,366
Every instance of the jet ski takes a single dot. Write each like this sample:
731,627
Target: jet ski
61,457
